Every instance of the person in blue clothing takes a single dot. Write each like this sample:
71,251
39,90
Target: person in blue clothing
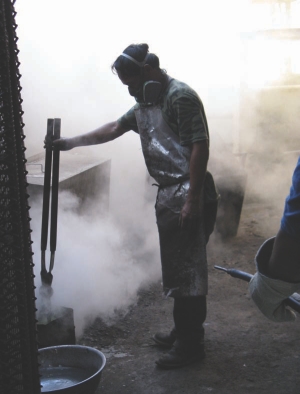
278,261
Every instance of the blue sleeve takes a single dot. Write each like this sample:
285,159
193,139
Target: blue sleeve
290,222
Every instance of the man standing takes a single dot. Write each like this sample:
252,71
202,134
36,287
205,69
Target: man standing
170,119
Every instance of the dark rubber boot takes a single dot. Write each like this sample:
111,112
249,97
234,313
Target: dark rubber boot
181,354
165,340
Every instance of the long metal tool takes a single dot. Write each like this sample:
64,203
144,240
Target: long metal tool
291,302
54,197
55,325
51,168
46,278
51,160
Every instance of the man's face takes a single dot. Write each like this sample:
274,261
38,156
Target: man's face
135,84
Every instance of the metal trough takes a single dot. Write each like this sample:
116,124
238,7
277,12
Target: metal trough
60,330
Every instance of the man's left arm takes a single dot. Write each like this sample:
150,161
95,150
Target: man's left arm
192,208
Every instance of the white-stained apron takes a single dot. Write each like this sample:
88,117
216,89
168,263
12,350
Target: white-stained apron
183,255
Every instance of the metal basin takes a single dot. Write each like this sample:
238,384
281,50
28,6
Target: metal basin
70,369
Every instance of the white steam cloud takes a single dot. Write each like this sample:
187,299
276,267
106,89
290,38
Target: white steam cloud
98,268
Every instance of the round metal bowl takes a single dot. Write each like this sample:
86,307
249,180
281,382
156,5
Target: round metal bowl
70,369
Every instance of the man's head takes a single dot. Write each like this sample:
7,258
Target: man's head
135,66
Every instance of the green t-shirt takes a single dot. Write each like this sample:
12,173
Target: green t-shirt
182,110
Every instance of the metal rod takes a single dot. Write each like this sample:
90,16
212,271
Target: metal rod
52,256
220,268
54,197
291,302
46,190
236,273
43,260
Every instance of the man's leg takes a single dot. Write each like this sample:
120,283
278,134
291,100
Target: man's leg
189,315
178,247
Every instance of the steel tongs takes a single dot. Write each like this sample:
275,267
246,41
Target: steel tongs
51,165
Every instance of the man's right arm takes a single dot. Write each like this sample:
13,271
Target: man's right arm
105,133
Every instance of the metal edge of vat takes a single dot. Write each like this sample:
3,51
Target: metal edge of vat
87,386
59,331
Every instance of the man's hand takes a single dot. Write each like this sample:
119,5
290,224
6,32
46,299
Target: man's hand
63,144
190,215
60,144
